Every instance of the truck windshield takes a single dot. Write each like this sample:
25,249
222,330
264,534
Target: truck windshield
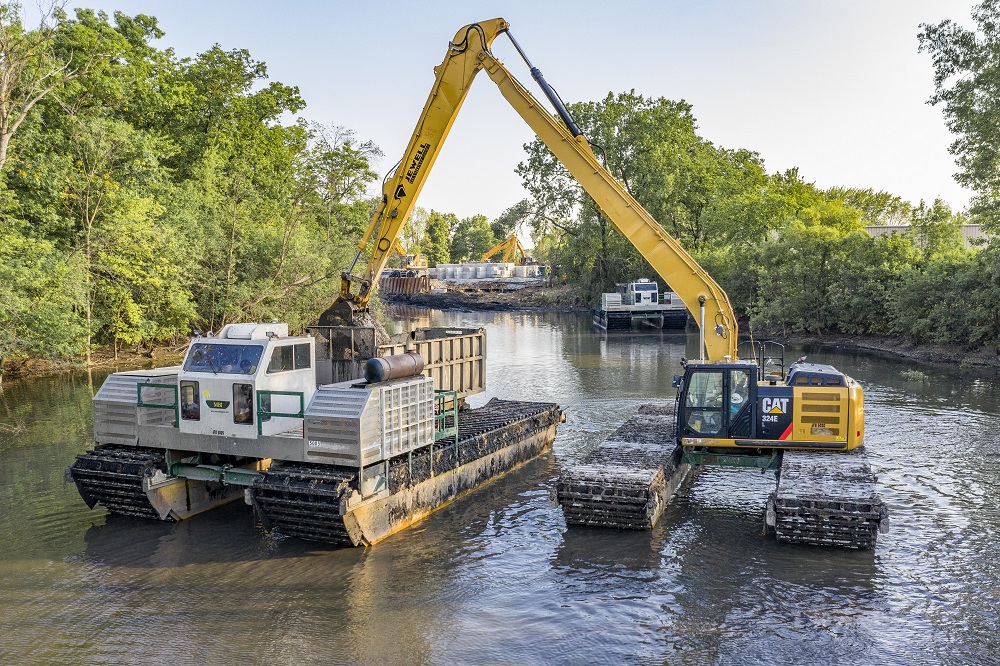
216,358
645,287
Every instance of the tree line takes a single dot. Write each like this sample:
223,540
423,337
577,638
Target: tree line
795,258
143,194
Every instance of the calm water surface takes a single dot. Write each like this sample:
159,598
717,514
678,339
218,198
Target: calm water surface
497,577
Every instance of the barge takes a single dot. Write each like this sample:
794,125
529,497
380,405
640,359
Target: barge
254,414
639,303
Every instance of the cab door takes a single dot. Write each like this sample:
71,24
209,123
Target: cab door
719,402
703,411
741,395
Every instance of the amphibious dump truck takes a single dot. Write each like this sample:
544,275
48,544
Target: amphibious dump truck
245,418
640,302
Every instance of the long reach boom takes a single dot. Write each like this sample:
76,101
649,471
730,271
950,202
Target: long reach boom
467,54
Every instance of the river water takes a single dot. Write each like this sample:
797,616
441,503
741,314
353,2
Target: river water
497,577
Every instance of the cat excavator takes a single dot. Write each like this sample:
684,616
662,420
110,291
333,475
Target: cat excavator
729,410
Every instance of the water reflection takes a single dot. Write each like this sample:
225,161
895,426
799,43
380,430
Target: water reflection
497,576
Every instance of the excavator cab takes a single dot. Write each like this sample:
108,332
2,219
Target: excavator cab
717,400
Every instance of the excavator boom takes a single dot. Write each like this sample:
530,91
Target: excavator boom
401,187
467,54
512,248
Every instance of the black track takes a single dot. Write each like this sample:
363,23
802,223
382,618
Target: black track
111,475
303,499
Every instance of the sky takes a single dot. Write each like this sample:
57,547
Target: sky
833,87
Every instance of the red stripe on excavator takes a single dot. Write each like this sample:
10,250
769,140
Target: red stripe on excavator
788,431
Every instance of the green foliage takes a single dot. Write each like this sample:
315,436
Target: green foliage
437,243
707,197
936,231
877,208
38,294
966,80
797,273
791,257
472,237
145,194
157,194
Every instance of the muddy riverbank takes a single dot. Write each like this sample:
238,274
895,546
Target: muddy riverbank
535,298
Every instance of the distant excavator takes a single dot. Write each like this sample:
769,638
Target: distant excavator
512,249
410,260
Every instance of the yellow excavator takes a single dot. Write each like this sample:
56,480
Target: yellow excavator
512,251
723,402
410,260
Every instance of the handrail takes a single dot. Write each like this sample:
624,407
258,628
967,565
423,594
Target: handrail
442,414
262,413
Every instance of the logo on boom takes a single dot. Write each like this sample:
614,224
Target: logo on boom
418,161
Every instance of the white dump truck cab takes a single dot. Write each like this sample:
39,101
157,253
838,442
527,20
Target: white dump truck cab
641,292
249,380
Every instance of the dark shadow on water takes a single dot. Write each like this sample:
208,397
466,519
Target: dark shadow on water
588,548
227,534
231,534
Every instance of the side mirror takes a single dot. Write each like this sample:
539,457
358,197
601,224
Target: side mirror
678,382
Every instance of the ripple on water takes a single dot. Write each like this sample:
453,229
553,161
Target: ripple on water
498,576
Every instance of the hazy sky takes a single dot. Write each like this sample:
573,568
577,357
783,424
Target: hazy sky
834,87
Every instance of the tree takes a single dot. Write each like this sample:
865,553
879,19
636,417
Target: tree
704,196
436,243
338,167
472,237
877,208
37,295
104,192
414,230
935,230
156,191
30,67
966,79
799,273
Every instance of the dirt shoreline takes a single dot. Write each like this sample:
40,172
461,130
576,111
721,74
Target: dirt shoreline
900,347
526,299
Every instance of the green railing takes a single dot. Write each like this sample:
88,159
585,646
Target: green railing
263,413
175,406
445,417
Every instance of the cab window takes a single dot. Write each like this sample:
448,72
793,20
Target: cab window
281,359
190,401
216,358
703,404
740,390
243,404
289,357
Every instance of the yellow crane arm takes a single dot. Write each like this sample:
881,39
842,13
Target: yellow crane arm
493,250
397,248
400,188
515,250
467,54
701,294
511,249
